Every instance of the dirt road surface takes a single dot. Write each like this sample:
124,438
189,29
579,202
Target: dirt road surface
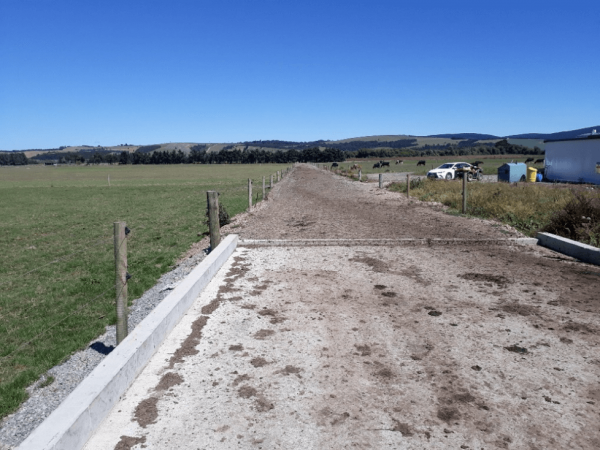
470,347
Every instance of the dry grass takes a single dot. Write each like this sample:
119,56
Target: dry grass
527,207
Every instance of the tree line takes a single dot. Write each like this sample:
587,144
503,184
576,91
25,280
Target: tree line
201,156
13,159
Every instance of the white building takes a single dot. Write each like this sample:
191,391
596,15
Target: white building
576,160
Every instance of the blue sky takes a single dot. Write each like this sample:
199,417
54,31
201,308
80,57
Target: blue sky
142,72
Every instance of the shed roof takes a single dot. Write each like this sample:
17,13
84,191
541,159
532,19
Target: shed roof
591,136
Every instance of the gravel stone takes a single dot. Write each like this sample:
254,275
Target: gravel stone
67,376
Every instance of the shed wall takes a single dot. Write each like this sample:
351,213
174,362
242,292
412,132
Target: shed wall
575,161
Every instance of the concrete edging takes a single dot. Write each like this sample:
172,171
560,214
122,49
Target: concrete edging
71,425
407,242
569,247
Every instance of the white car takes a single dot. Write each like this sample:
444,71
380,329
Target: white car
447,170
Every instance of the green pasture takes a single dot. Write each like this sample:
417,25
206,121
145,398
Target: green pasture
56,250
490,164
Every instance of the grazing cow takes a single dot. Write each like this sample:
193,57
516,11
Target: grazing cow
384,163
399,161
376,166
355,167
478,163
335,165
539,161
528,160
421,163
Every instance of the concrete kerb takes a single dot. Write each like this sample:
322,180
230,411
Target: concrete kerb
407,242
74,421
582,252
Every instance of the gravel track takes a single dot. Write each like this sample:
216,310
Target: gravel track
467,347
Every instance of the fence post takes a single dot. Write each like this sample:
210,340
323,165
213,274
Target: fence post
264,187
249,193
359,174
380,181
464,193
212,198
408,185
278,176
120,241
271,182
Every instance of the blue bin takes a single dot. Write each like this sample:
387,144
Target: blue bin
539,177
512,172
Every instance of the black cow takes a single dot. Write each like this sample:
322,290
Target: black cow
539,161
478,163
376,166
528,160
421,163
384,163
335,165
399,161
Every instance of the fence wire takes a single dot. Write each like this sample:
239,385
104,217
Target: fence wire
79,308
62,258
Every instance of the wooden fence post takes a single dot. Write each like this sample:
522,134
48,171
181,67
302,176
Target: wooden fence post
380,181
271,182
214,225
408,185
120,241
249,193
264,188
464,193
278,176
359,174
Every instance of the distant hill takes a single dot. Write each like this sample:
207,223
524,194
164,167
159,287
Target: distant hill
560,135
396,143
469,136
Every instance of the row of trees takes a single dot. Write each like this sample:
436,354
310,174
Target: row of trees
201,156
13,159
500,148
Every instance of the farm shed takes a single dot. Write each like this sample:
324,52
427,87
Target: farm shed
575,160
512,172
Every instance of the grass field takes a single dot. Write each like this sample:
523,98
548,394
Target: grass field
56,250
490,163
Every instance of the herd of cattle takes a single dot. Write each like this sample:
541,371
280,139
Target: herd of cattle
422,162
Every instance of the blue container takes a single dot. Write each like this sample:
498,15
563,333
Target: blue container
512,172
539,177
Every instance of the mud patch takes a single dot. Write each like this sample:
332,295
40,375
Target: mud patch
289,370
263,334
580,327
146,412
486,278
169,380
258,362
236,348
246,392
211,307
403,428
375,264
516,349
385,373
248,306
364,350
519,309
448,414
188,347
240,379
127,442
262,404
389,294
267,312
